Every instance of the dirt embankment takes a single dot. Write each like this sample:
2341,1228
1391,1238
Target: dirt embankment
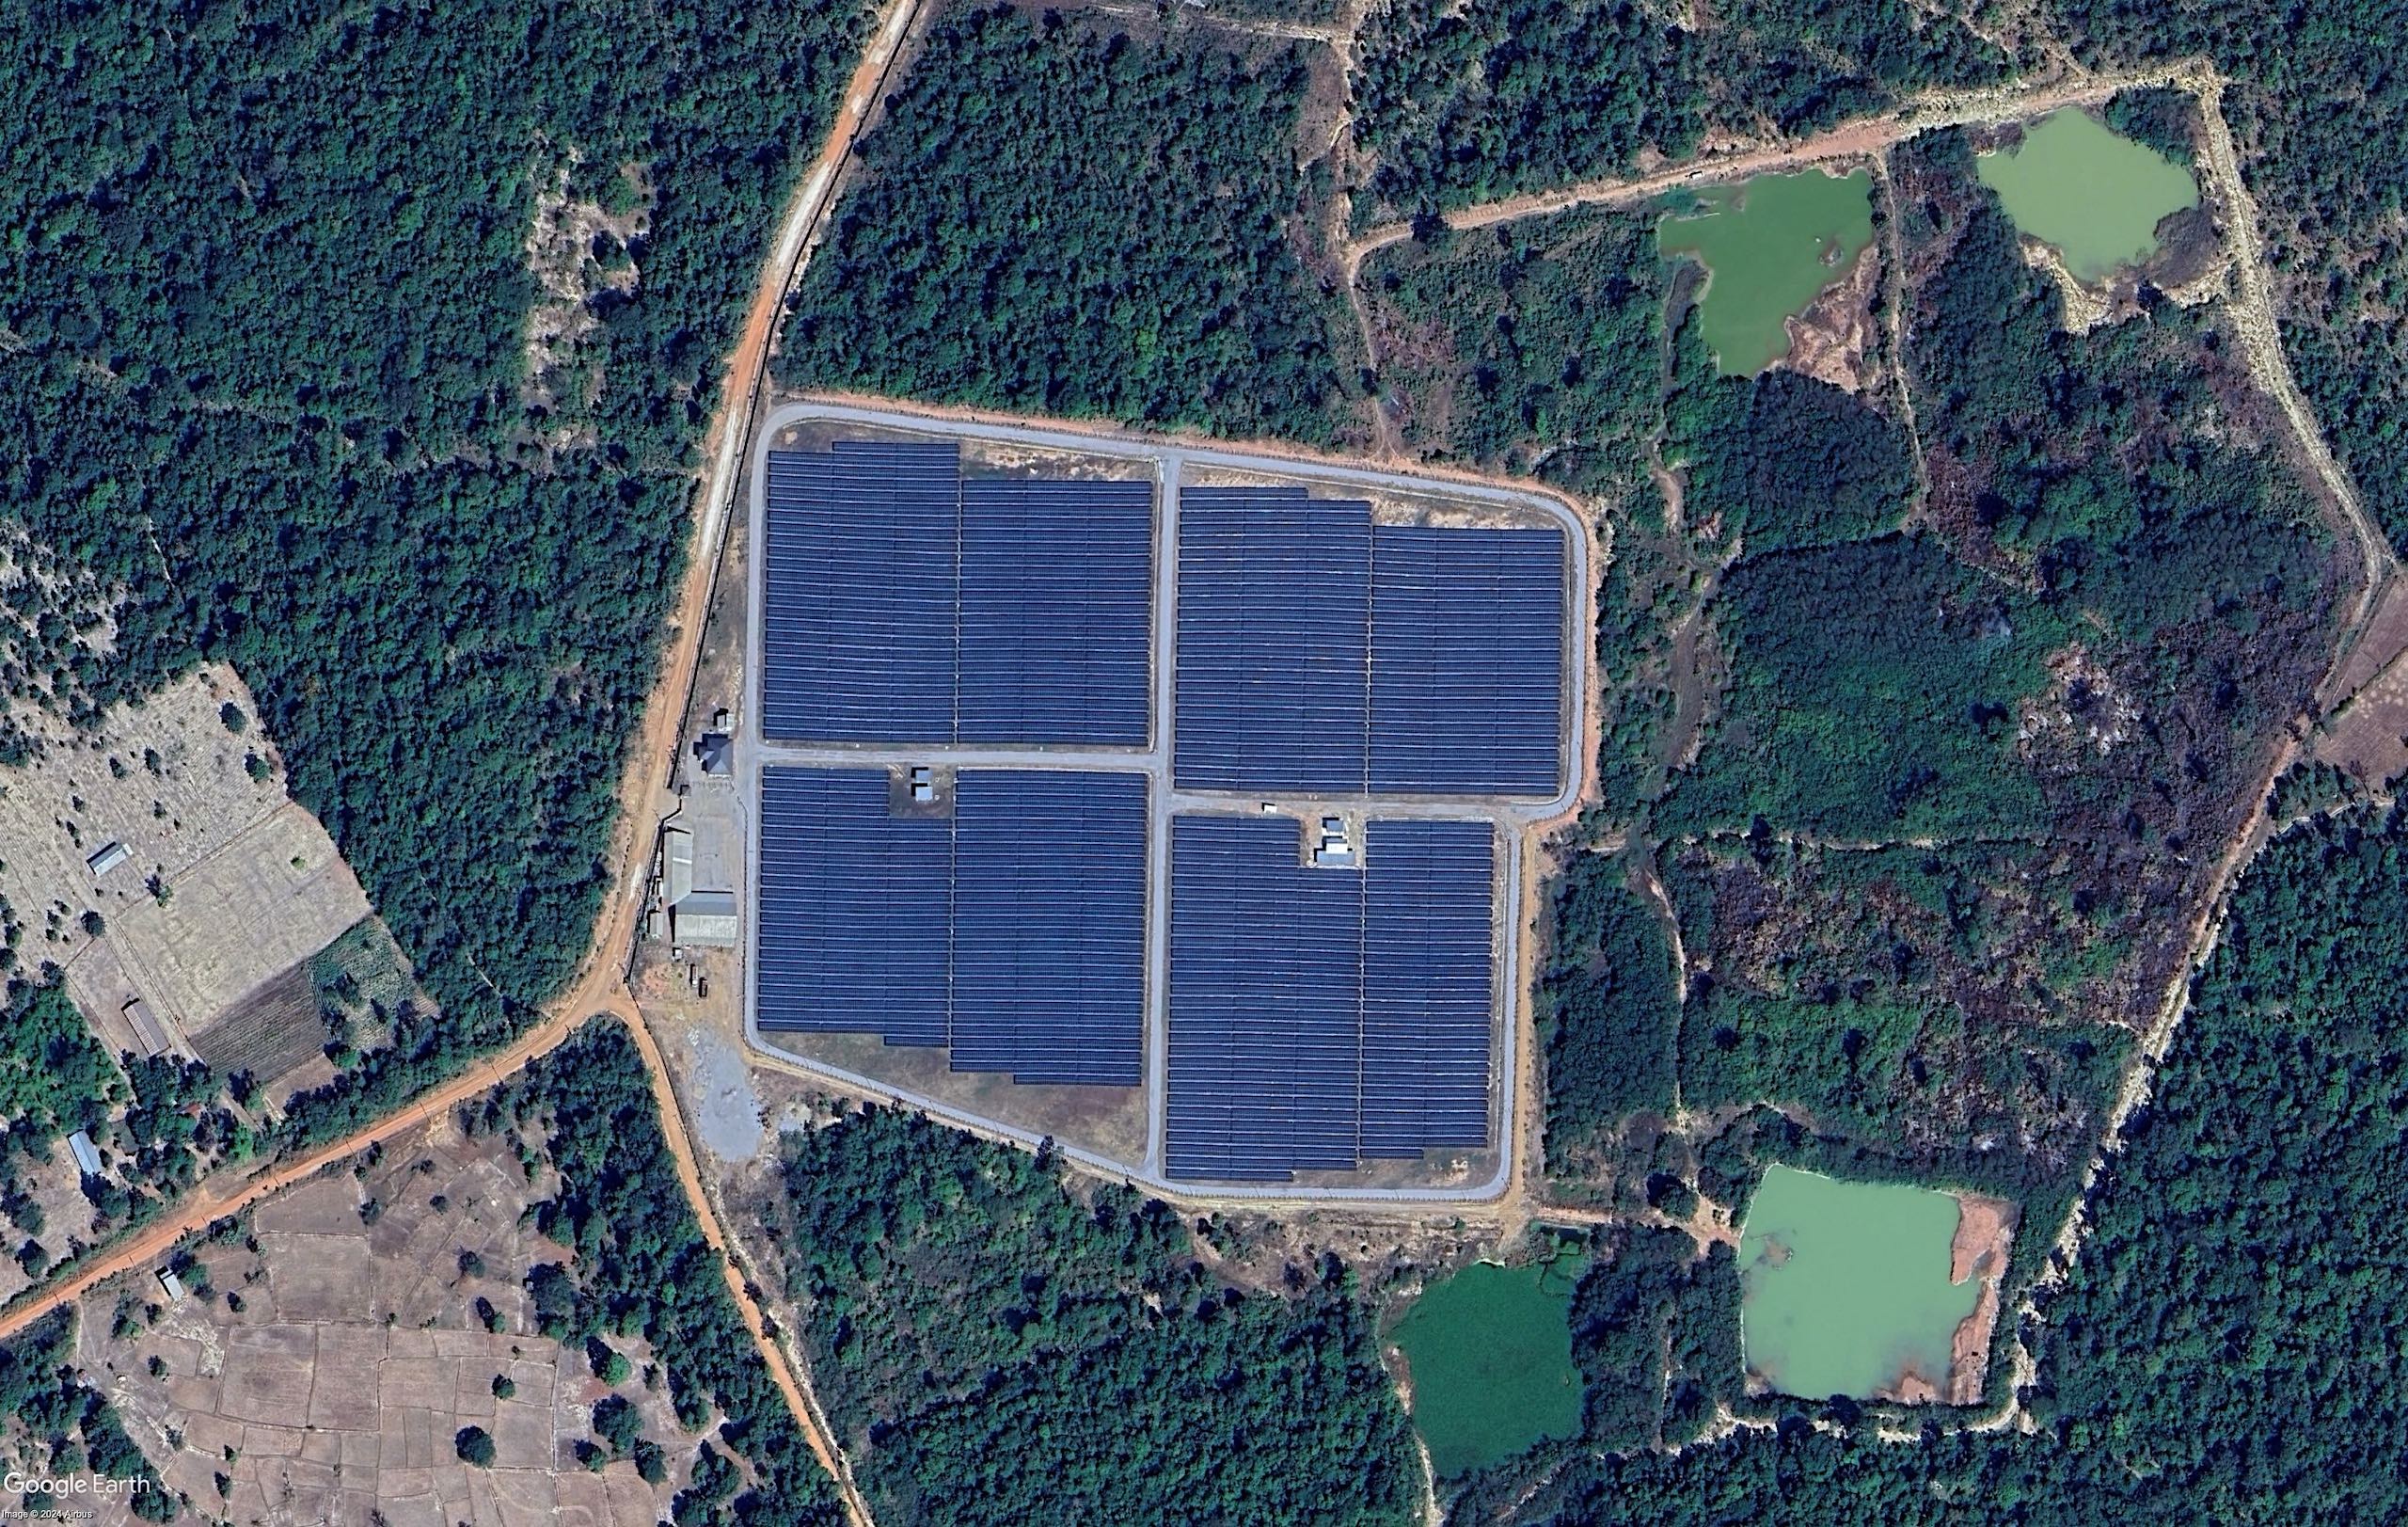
1985,1227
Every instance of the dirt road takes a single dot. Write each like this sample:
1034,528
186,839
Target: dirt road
1850,140
600,987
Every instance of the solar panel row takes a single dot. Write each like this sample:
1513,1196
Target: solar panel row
905,603
1322,1017
1012,930
857,628
1321,652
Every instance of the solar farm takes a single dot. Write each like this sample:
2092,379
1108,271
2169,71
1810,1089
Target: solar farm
1099,775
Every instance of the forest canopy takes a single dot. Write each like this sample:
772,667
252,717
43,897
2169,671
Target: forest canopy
1138,260
997,1343
265,383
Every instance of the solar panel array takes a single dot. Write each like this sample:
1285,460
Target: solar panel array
1318,1017
1013,930
905,603
857,630
1321,652
1273,638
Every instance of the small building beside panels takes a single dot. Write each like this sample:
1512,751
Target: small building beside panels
1010,933
1328,1014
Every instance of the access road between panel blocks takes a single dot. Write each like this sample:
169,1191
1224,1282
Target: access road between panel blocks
1172,461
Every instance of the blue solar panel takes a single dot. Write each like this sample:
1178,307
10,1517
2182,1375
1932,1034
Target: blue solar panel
1274,639
859,582
1266,1003
1466,661
1320,1017
902,603
1012,929
1056,611
855,908
1428,936
1049,945
1320,652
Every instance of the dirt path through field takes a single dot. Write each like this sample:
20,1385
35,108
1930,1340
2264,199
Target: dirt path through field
601,985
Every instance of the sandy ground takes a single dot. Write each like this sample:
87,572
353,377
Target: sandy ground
1984,1228
726,1114
1829,341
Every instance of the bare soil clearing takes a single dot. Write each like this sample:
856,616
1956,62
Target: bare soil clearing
1984,1226
223,883
358,1351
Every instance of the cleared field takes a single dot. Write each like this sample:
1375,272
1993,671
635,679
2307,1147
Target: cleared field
341,1345
224,881
274,896
271,1031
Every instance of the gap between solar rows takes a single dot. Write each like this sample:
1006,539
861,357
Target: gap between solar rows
1321,651
906,602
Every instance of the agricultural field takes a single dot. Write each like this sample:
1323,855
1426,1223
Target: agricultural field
224,881
336,1342
476,1321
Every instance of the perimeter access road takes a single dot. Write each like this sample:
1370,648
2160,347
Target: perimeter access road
1519,818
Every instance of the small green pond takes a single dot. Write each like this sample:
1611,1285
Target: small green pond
1769,246
2096,196
1844,1285
1490,1351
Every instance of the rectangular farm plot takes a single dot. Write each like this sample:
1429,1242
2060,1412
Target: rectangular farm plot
1011,929
1322,652
1321,1017
906,603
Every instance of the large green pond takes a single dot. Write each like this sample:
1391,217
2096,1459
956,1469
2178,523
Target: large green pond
2096,196
1769,246
1490,1351
1844,1285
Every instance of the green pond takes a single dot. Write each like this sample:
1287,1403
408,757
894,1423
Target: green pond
1843,1286
1490,1351
2096,196
1769,246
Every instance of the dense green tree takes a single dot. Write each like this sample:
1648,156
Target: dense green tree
2318,103
641,1267
997,1343
1463,104
2225,1346
267,398
1059,218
